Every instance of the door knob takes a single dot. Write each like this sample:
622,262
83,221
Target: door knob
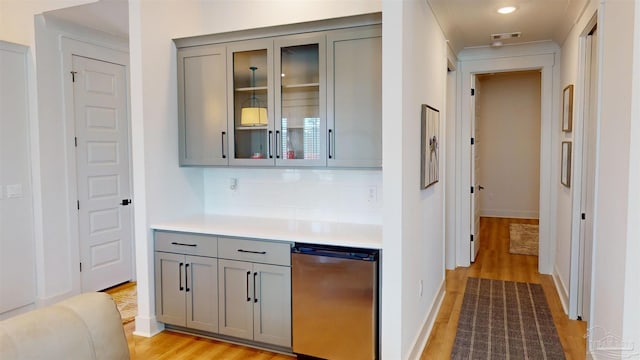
480,187
125,202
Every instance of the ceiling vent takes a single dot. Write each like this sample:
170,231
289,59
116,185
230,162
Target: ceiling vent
505,36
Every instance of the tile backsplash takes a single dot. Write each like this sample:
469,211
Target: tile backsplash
353,196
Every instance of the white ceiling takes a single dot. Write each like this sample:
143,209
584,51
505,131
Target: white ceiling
466,23
470,23
110,16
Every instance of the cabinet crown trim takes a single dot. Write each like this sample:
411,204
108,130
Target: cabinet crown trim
281,30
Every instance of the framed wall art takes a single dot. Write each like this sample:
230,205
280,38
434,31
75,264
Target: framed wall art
430,146
567,108
565,170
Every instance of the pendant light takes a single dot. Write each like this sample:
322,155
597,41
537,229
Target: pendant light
253,113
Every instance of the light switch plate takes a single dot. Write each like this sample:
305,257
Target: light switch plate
14,191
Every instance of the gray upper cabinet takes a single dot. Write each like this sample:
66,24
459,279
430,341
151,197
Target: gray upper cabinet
354,65
202,105
300,111
305,96
250,104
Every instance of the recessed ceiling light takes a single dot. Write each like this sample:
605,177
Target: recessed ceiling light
507,9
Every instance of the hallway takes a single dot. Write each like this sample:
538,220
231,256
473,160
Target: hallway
495,262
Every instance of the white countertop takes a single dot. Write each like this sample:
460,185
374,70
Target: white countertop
315,232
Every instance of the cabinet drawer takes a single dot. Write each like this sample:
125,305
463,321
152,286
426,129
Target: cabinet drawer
186,243
266,252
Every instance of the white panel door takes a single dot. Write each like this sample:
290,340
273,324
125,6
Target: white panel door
475,187
588,177
102,160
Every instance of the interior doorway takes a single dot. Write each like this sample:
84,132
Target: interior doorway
506,153
545,64
97,121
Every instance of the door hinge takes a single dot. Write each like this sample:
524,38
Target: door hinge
584,216
75,139
78,204
472,189
471,237
473,141
80,267
473,92
73,76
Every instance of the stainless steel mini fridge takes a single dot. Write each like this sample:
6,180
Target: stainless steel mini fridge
335,302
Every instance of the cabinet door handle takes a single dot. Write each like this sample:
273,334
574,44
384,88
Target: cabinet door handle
255,294
224,156
248,275
269,144
183,244
252,252
329,137
186,277
277,148
180,276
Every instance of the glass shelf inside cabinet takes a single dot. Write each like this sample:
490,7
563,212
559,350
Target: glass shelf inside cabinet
250,84
300,102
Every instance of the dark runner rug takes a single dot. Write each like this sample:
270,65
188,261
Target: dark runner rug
505,320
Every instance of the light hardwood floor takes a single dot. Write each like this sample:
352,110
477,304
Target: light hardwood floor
495,262
175,346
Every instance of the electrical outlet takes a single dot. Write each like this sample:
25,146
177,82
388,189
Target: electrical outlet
233,183
14,191
372,194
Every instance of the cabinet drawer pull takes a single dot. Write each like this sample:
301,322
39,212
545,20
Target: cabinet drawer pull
329,145
180,277
183,244
224,156
277,152
269,144
252,252
255,294
248,275
186,277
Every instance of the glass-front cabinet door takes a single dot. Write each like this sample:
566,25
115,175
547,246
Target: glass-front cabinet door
251,103
300,101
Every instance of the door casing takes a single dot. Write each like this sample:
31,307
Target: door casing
70,47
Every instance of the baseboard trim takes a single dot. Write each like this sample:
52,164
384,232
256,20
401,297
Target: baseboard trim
561,290
147,326
423,336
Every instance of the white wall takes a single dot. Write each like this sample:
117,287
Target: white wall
321,195
508,119
414,73
58,263
616,19
566,205
17,289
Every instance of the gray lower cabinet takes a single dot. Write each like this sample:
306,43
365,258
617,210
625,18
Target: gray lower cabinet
186,285
255,298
